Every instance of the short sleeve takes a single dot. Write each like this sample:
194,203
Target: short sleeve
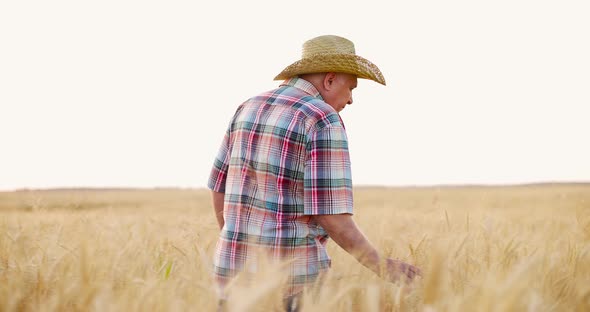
327,179
218,174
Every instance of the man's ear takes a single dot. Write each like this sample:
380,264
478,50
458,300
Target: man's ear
329,80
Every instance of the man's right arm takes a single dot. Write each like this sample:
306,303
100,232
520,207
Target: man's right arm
344,231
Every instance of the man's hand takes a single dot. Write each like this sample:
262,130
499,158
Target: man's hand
396,270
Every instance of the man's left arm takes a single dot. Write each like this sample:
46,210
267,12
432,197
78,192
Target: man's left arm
218,199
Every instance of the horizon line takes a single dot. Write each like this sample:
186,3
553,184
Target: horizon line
434,185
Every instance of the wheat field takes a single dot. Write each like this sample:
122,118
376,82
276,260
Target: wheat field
511,248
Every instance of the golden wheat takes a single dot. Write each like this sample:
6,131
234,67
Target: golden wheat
522,248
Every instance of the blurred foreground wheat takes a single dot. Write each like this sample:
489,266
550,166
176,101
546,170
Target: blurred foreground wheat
523,248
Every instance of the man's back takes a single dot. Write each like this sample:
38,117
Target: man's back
284,159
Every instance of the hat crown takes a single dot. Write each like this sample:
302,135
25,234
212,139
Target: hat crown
328,44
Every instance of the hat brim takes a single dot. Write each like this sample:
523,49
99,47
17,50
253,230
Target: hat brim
338,63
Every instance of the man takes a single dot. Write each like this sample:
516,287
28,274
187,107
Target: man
281,182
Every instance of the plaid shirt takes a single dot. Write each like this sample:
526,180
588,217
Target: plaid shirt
284,158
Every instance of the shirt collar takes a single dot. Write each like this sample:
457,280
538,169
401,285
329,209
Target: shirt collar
303,85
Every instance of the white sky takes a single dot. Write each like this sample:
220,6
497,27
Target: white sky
138,93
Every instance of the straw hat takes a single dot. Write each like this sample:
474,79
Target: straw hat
331,54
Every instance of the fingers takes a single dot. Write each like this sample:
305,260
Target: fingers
412,271
400,270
